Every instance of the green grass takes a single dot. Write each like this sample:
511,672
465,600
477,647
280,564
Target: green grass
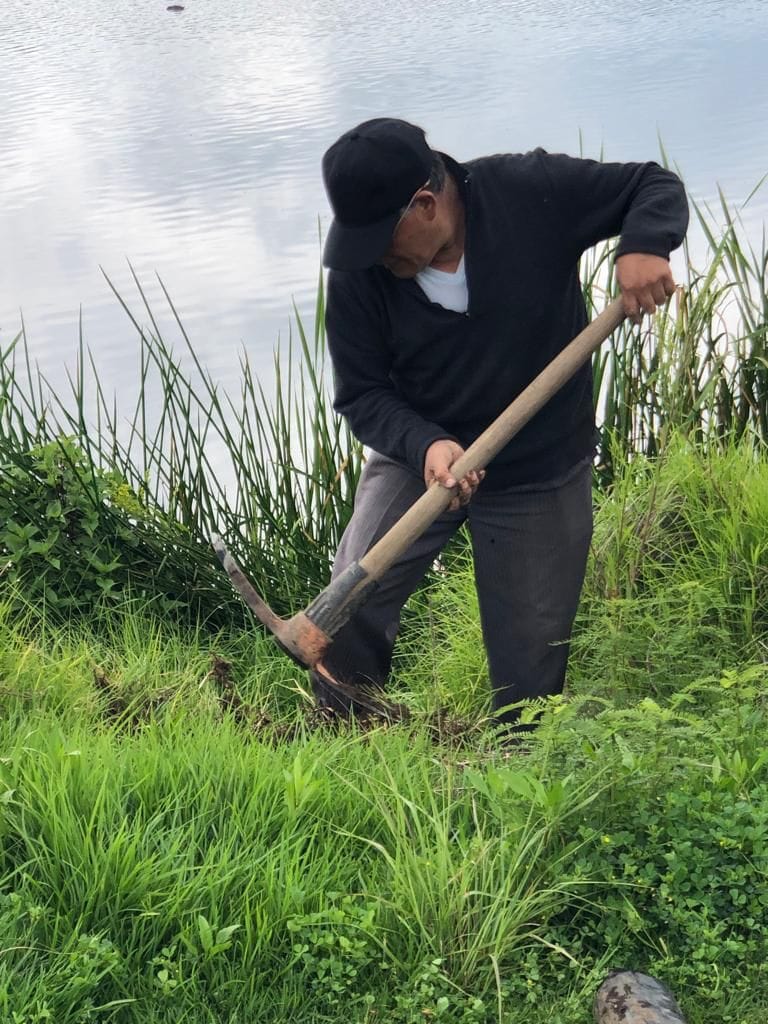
676,590
170,852
183,839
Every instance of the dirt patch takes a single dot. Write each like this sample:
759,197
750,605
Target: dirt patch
445,729
119,711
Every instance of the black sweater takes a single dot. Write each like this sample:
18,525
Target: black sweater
408,372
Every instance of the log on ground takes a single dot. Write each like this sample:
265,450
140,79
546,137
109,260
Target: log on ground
626,997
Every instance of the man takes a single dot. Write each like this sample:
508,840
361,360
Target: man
450,287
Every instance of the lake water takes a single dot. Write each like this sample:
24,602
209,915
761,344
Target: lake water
189,143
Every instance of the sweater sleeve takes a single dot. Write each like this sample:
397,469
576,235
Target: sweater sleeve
362,362
643,203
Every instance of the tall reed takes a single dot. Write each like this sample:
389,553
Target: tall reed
699,367
290,463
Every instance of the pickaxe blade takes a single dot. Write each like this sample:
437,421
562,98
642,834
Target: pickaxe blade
305,640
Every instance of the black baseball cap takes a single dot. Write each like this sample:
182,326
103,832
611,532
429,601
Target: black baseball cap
371,172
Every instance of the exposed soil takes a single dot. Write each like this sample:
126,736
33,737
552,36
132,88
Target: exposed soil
123,713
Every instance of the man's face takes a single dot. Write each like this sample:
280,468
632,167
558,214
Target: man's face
415,241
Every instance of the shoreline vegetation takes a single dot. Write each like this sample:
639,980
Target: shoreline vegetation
183,839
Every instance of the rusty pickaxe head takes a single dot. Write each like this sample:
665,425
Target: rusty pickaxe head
306,636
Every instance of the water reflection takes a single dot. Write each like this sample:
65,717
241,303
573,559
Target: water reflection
190,142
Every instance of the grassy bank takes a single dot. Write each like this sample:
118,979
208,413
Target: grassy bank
181,840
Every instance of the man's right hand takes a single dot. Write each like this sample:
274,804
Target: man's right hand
440,456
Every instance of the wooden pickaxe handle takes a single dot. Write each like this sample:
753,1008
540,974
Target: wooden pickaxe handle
437,497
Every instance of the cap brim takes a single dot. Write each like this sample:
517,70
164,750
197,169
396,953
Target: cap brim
357,247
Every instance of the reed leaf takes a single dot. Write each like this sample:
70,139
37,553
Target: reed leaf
274,472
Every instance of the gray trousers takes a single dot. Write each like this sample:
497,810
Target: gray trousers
530,547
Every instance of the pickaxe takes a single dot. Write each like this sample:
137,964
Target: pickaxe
306,636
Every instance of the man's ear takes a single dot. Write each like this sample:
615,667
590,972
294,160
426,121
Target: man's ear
426,203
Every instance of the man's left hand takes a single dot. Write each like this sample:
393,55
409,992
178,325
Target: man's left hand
646,282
